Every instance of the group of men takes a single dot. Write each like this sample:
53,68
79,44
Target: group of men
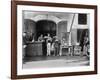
51,45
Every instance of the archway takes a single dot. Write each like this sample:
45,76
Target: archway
44,27
29,26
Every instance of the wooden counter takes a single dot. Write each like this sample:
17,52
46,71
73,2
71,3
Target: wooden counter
34,49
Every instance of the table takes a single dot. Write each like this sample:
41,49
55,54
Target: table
70,49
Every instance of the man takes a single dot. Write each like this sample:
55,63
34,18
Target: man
24,45
41,38
57,47
48,48
86,46
48,45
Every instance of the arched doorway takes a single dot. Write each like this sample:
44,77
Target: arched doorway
44,27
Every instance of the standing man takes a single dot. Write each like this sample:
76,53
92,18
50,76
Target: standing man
48,41
57,47
24,45
48,48
86,45
41,39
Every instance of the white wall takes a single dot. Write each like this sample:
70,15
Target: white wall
5,36
77,26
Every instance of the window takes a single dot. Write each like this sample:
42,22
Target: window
82,19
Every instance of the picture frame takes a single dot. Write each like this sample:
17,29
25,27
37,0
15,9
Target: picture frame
16,40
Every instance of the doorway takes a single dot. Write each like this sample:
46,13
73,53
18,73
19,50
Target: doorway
44,27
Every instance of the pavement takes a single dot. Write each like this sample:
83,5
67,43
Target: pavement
55,61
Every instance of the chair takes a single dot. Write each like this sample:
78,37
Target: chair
76,49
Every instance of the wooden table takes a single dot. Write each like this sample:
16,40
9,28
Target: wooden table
69,47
